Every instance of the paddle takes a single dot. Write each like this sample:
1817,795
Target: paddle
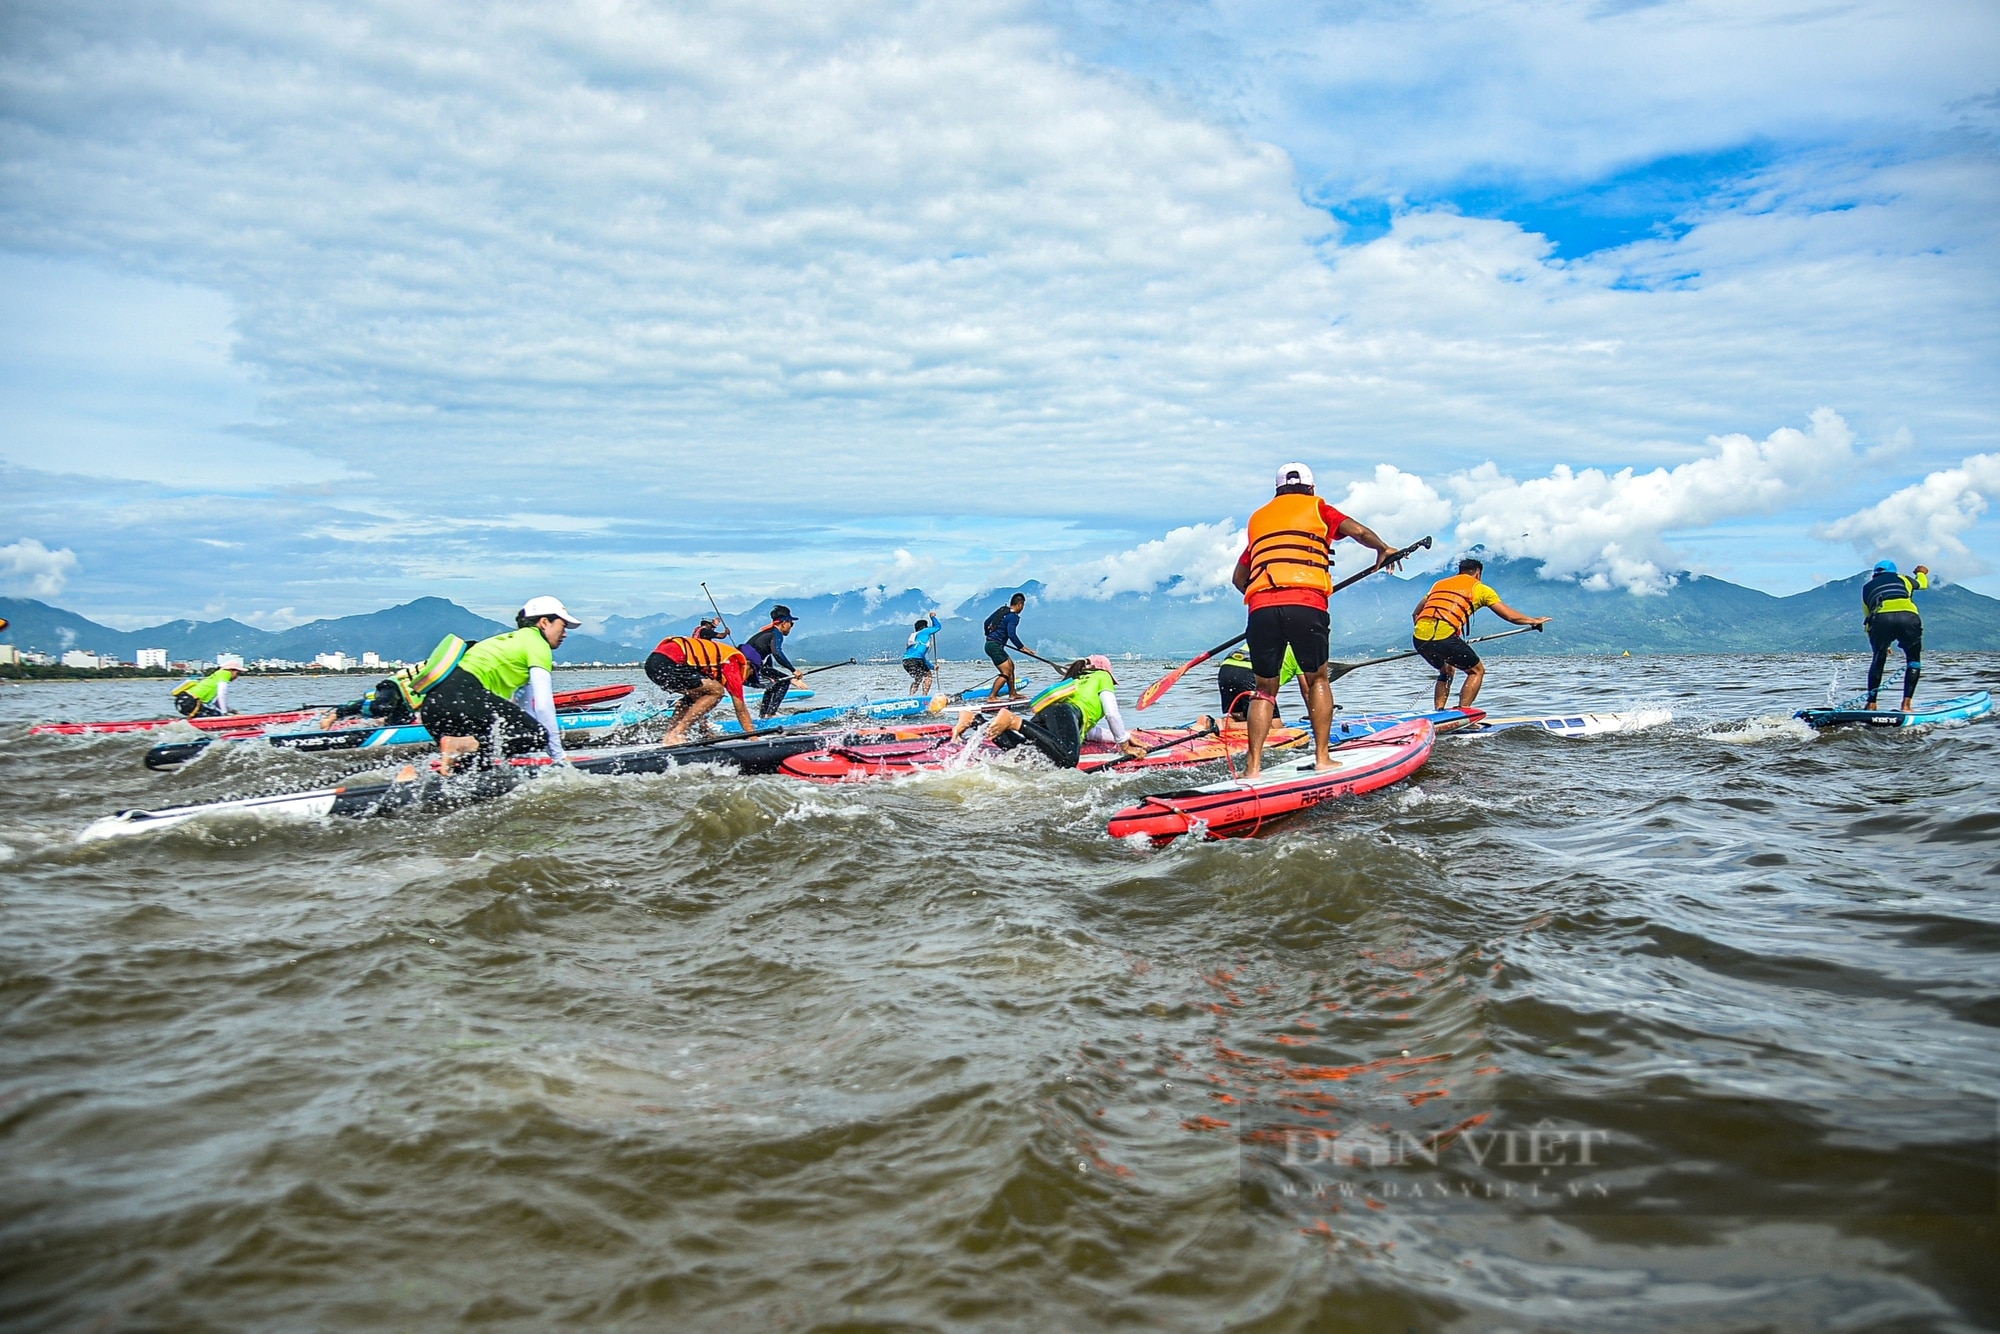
1336,670
1151,694
1164,745
727,633
804,672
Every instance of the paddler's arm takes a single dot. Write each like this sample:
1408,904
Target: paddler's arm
542,704
1923,576
732,681
1356,531
1116,722
1508,614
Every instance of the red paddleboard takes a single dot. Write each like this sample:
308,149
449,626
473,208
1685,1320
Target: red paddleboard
861,762
1240,807
249,724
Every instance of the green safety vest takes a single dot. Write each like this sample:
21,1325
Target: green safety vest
204,689
502,663
1286,671
416,682
1085,693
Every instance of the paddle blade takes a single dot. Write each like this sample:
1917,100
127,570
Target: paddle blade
1151,694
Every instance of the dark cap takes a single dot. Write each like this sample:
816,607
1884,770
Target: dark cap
781,612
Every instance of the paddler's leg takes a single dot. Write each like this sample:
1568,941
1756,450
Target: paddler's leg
774,697
693,706
1913,661
1881,643
451,749
1442,695
1319,707
966,718
1474,678
1003,722
1057,732
1263,708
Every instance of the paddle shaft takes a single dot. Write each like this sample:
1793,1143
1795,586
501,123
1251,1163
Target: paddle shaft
1164,745
1151,694
1336,670
721,620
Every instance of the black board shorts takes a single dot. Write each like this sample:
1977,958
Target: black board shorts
1272,629
674,677
997,651
917,668
1451,651
1236,685
460,705
1056,731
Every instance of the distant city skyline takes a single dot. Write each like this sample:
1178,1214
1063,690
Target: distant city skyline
305,319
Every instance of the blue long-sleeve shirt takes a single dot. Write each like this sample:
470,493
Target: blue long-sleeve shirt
922,643
1010,627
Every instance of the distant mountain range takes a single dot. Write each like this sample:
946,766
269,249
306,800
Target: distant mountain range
1697,614
408,633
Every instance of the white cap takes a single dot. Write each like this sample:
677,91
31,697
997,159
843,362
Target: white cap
537,608
1295,474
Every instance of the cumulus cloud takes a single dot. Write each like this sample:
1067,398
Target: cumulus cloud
29,565
744,284
1923,522
1196,560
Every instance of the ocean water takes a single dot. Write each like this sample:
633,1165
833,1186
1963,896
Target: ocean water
699,1051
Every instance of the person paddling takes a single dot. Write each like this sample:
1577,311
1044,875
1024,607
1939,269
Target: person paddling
769,667
1003,628
476,709
1286,576
1441,621
208,697
1889,611
1086,709
700,670
395,700
920,654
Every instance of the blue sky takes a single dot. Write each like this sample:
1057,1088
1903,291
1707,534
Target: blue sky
304,312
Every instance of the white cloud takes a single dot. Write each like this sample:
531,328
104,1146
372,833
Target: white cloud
30,565
1202,556
1924,521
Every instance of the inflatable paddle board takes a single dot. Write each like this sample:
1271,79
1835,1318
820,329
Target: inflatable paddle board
1963,709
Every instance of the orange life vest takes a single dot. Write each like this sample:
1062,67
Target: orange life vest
1449,601
706,656
1290,547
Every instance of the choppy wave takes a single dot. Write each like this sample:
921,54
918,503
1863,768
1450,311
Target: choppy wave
700,1051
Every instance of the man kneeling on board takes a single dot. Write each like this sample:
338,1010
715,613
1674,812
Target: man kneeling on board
206,698
1441,620
700,670
1065,717
473,709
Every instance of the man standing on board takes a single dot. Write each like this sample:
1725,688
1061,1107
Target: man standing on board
1441,620
1003,627
1286,575
1889,610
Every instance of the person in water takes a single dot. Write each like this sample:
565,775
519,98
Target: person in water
920,654
1236,683
208,697
1889,611
476,709
1065,717
769,667
1441,620
1003,627
1286,576
699,669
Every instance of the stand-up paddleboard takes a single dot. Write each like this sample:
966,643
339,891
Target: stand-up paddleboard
1963,709
900,706
1239,807
419,788
1572,724
860,761
233,723
577,720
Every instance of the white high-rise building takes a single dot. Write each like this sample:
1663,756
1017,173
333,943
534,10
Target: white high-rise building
76,657
333,662
371,659
152,657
